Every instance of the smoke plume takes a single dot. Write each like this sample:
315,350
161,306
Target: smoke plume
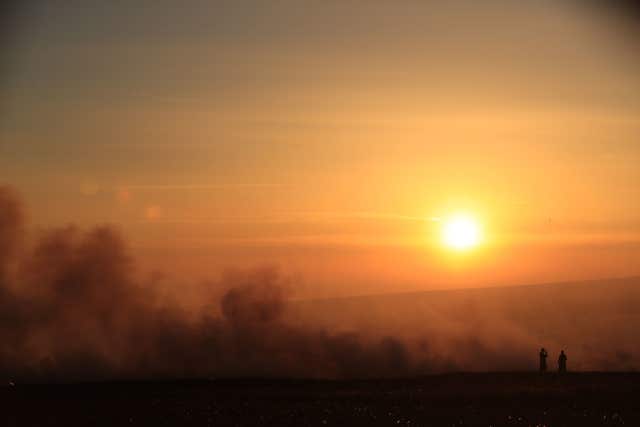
71,308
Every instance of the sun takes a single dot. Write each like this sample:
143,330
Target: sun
461,232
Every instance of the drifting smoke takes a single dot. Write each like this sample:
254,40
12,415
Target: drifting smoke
70,309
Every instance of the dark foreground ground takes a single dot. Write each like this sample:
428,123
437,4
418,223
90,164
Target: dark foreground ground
502,399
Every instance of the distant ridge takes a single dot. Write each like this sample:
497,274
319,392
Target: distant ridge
595,321
489,288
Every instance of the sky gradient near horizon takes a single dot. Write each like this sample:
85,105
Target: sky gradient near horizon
327,137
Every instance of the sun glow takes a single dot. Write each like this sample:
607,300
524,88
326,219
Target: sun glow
461,232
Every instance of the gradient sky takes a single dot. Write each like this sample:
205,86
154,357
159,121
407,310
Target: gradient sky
324,137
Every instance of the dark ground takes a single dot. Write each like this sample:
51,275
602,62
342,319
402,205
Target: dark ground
493,399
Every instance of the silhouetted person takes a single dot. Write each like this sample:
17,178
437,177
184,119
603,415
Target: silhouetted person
543,360
562,362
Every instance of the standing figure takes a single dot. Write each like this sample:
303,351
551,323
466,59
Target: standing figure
562,362
543,360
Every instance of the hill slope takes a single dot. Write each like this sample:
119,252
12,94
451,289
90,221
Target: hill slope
596,322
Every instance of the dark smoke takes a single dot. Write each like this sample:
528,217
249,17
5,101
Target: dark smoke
71,309
11,220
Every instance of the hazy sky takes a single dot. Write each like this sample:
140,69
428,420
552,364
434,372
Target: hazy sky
324,137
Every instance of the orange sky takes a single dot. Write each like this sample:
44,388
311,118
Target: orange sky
325,138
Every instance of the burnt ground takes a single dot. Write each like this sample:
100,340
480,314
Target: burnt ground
483,399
